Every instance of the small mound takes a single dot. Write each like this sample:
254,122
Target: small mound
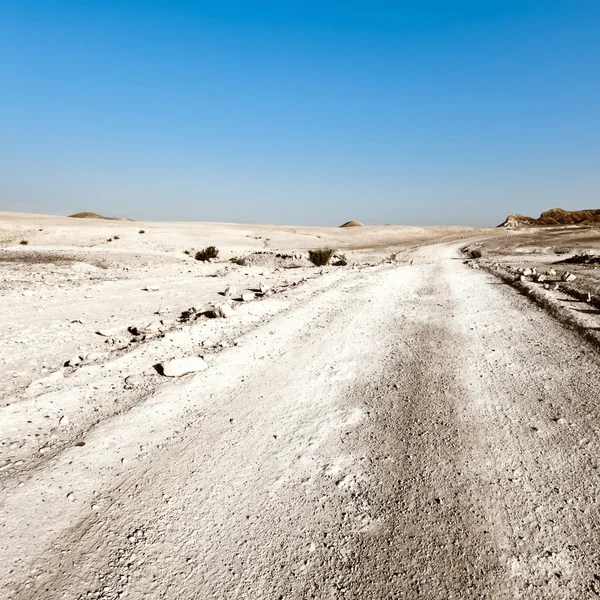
91,215
352,224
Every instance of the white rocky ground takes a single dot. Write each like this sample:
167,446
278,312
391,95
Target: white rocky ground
413,428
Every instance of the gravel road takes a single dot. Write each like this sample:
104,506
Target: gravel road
417,431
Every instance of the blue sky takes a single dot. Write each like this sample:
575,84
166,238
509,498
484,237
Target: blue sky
307,113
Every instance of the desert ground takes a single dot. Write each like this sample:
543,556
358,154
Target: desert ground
421,422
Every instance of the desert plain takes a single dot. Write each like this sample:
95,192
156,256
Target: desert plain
416,419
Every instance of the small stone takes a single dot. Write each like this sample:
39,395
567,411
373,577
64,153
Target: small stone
248,297
64,420
183,366
150,288
73,362
569,276
230,292
71,497
134,380
263,287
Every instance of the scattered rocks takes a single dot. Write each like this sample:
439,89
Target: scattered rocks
183,366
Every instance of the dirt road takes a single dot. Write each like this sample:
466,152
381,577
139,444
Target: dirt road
420,431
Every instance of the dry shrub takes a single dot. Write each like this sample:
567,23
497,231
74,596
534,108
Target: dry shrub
207,254
320,257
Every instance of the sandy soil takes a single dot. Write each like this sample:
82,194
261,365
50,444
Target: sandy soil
402,427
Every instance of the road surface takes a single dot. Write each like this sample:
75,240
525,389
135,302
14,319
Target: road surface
418,431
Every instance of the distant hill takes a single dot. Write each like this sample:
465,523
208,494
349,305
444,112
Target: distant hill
91,215
555,217
352,224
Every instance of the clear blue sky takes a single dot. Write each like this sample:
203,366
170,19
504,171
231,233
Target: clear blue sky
300,112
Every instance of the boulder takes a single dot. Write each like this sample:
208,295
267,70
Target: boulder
568,276
248,297
230,292
183,366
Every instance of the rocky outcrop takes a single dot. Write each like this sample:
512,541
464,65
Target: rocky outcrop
555,217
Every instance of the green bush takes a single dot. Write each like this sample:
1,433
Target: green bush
236,260
320,257
207,254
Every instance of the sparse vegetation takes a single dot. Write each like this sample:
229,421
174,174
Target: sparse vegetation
207,254
476,253
320,257
23,242
237,260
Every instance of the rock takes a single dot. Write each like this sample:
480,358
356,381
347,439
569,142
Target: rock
522,278
263,288
569,276
589,297
64,420
182,366
104,333
528,272
147,329
73,361
187,314
230,292
475,266
134,380
546,286
222,311
551,273
541,278
150,288
92,356
248,297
